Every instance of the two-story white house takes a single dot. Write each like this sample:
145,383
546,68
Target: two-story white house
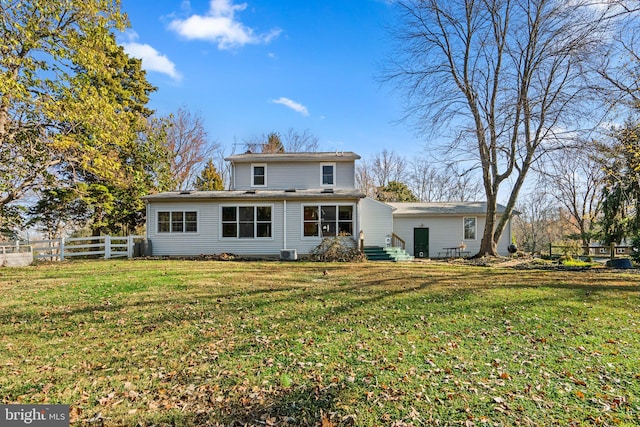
283,205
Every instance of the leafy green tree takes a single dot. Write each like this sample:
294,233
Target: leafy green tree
11,221
209,179
59,105
395,191
112,204
57,210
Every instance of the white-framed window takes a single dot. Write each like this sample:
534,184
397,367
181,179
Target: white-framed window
327,220
247,222
259,175
327,174
469,225
177,222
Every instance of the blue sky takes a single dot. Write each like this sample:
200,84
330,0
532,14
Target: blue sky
261,66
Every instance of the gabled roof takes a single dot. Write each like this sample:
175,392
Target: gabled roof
328,194
298,157
448,208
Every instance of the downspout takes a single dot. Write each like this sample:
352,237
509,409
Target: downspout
146,203
358,229
233,175
284,223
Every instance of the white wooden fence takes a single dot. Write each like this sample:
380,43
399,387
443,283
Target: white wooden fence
103,246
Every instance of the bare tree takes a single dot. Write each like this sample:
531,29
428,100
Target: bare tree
534,227
305,141
574,179
189,143
442,184
364,178
509,77
223,167
388,166
290,142
619,65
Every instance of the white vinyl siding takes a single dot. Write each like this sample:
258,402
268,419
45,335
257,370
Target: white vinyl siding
444,232
209,238
300,175
377,221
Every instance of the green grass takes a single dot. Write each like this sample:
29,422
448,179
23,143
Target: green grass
268,343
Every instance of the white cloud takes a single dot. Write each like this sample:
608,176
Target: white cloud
220,25
293,105
152,60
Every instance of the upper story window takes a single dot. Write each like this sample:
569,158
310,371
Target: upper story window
328,174
469,224
258,175
178,222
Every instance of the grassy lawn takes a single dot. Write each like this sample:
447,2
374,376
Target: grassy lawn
268,343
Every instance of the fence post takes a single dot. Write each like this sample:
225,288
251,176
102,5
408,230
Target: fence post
130,246
107,247
62,249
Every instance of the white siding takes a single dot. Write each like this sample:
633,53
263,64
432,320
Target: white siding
376,222
444,232
198,243
300,175
208,239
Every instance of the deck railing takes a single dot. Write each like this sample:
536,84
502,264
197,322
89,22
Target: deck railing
397,242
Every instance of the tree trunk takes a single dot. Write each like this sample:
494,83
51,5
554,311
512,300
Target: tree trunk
488,246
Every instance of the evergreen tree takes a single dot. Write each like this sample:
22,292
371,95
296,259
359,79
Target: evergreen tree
209,179
621,195
273,144
395,191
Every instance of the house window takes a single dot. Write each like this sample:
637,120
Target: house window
178,222
259,175
328,220
328,174
469,228
246,222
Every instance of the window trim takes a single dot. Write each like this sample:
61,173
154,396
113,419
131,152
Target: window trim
475,228
253,176
317,205
334,177
237,221
184,222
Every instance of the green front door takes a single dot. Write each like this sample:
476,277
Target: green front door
421,242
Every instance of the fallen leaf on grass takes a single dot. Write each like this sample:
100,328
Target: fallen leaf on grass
326,422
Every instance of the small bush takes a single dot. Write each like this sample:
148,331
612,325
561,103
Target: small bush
333,249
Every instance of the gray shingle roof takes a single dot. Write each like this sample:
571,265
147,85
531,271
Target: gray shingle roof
449,208
300,157
254,195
